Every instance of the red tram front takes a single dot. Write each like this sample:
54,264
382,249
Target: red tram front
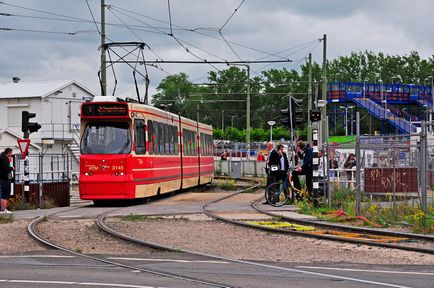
132,150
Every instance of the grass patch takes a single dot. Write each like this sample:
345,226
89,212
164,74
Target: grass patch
277,218
228,184
6,218
403,214
135,217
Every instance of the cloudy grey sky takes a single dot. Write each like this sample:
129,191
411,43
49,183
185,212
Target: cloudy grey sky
289,28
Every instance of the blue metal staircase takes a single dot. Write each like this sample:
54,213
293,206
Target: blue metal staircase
385,114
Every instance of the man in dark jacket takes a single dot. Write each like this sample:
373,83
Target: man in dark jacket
5,181
274,163
305,168
277,165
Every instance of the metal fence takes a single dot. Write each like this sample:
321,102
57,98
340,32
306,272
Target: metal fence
44,168
391,172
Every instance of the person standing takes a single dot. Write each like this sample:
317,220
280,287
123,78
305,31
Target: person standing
349,164
5,178
270,147
305,168
284,164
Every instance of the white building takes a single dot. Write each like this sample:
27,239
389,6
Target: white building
57,108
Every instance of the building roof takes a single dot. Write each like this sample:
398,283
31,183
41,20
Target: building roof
15,135
35,89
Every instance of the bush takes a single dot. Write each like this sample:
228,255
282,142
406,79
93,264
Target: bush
227,184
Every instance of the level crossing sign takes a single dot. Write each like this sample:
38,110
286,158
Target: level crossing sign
23,144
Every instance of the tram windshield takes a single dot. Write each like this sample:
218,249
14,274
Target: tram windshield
106,138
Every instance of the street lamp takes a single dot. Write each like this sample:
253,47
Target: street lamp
397,77
432,94
364,88
232,120
247,106
346,117
271,123
383,99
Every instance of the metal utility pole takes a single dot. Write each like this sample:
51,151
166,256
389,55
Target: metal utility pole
309,99
358,166
424,165
103,59
223,120
324,89
248,112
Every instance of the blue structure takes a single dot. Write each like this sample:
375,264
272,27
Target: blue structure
401,106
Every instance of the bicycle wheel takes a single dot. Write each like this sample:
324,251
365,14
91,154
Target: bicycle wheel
277,194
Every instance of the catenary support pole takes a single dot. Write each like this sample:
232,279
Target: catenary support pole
309,99
103,56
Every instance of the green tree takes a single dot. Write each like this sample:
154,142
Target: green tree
218,133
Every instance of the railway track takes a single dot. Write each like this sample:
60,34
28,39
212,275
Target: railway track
103,226
33,232
333,232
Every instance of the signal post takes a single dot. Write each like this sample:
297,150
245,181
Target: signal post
315,118
27,128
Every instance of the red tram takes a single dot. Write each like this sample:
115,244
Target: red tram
131,150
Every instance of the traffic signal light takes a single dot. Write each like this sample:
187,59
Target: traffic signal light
315,115
26,126
286,119
297,113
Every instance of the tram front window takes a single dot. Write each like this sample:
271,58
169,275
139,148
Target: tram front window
106,138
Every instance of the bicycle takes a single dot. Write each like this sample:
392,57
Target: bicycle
280,193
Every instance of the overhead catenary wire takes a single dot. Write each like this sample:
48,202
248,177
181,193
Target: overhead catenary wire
159,30
46,31
226,22
179,41
136,27
232,15
195,30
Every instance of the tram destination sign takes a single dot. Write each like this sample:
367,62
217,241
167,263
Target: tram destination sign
105,109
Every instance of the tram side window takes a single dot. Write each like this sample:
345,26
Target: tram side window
174,140
185,142
167,144
189,142
161,138
151,138
194,143
140,136
206,144
156,138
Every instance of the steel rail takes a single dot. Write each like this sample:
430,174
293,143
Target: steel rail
103,226
346,228
31,228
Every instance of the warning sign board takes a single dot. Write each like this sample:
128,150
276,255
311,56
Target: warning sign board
24,144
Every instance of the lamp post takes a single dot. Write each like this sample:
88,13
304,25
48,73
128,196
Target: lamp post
223,120
397,77
232,120
432,96
364,88
383,100
346,117
271,123
247,107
